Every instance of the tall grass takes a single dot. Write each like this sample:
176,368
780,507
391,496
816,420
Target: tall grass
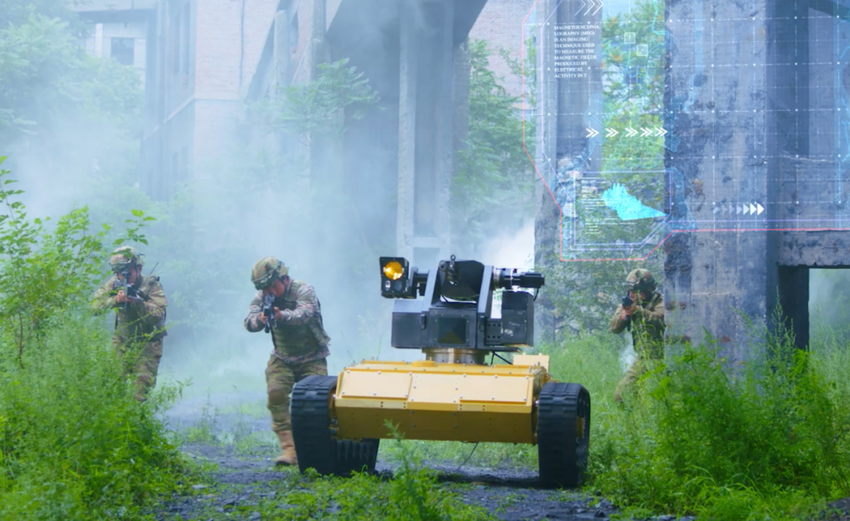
74,444
770,438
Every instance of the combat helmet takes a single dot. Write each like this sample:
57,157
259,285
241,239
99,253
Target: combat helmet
640,280
266,271
124,257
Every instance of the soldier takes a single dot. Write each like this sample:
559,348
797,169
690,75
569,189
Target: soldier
299,340
139,304
645,318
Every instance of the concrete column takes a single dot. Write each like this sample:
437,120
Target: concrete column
547,223
579,99
425,130
460,110
718,123
406,129
282,57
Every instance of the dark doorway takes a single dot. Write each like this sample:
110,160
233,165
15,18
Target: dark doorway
794,299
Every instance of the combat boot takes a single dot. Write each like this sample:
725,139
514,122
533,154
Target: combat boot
287,447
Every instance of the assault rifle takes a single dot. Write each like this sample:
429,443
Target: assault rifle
628,302
268,312
122,284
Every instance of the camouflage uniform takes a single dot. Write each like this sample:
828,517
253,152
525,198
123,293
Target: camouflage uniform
139,326
299,339
647,327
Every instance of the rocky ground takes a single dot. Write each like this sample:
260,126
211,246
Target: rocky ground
242,476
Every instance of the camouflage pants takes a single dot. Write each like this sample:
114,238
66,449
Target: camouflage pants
280,379
143,363
638,368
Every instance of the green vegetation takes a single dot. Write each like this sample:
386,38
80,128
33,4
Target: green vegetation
770,441
74,444
494,184
412,495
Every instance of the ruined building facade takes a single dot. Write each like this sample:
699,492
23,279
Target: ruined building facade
206,60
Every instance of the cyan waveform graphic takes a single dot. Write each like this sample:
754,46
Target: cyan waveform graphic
626,205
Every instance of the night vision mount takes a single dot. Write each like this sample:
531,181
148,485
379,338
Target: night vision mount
455,317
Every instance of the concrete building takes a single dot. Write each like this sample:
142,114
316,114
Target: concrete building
754,110
413,53
200,58
120,30
205,60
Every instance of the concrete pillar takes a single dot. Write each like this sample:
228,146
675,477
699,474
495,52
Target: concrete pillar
460,110
406,130
547,221
718,123
425,130
282,56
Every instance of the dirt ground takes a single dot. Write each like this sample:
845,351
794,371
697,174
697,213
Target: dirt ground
243,479
247,476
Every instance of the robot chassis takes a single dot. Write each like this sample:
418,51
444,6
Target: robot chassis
452,395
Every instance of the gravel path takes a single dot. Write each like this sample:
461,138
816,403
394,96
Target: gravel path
244,479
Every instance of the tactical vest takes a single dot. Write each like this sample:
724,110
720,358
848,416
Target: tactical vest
130,324
297,342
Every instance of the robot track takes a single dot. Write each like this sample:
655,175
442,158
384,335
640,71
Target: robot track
563,434
312,431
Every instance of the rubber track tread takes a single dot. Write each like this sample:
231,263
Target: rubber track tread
314,445
311,423
562,455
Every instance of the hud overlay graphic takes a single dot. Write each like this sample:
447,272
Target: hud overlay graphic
608,127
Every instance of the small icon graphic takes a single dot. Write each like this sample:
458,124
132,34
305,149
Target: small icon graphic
759,208
631,132
591,132
610,132
645,132
660,131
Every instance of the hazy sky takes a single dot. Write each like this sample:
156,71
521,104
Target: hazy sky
612,7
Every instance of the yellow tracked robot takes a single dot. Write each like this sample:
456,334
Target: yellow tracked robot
453,394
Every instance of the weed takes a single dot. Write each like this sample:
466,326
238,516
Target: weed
769,439
204,430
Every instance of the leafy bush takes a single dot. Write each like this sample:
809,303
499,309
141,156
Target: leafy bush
494,185
74,443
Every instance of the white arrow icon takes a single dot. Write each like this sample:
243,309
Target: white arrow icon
660,131
752,209
598,8
746,210
645,132
591,132
760,209
739,209
611,132
580,7
631,132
